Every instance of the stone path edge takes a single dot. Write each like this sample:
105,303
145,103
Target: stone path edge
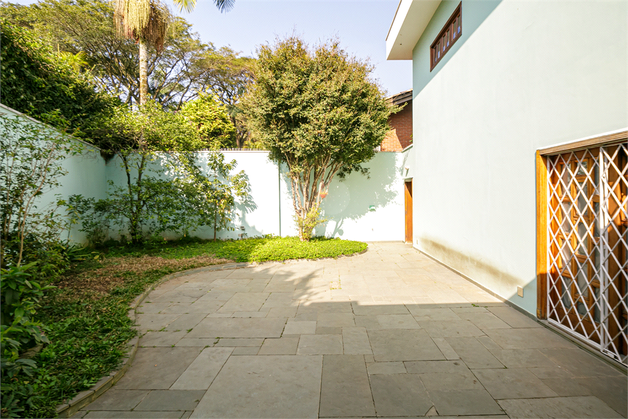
85,397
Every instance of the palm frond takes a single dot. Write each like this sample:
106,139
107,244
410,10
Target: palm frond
147,20
189,5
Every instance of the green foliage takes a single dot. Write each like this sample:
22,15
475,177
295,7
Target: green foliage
19,331
287,248
46,85
31,156
210,195
20,293
183,68
212,121
228,76
309,222
257,249
166,189
318,112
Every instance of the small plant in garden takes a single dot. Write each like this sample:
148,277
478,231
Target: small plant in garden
309,222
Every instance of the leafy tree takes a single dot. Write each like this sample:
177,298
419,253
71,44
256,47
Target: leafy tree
31,158
136,137
144,21
213,194
212,121
45,85
183,68
228,75
318,112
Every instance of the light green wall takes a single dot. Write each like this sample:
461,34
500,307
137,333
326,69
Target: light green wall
85,176
525,75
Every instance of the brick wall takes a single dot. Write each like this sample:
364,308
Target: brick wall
401,134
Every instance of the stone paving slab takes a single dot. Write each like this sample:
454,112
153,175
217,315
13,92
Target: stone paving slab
200,374
238,328
157,368
167,400
389,333
345,388
558,407
403,345
116,399
264,387
400,395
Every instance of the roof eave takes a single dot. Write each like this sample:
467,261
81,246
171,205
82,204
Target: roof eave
410,21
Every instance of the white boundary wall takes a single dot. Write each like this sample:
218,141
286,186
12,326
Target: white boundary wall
357,208
86,176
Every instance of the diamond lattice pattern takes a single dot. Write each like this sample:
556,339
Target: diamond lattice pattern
587,236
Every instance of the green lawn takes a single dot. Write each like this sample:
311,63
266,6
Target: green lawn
86,313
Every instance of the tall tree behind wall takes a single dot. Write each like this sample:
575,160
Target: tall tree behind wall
183,68
36,81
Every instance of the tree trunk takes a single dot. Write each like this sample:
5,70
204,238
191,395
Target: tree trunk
215,220
143,72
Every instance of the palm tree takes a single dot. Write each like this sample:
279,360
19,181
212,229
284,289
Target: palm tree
188,5
145,21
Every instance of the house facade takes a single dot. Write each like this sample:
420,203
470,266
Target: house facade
519,167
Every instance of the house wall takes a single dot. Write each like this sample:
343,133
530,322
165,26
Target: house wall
524,75
400,136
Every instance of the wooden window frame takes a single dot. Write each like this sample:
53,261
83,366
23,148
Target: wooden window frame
452,38
542,156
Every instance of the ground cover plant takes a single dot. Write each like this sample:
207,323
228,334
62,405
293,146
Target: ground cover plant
85,315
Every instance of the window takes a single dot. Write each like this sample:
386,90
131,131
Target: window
447,37
582,232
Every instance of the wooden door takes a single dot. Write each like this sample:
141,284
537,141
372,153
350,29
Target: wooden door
408,207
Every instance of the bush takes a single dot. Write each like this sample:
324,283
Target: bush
19,331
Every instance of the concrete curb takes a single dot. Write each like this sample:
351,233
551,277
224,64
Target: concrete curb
86,397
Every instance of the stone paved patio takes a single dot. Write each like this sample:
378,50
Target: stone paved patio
389,333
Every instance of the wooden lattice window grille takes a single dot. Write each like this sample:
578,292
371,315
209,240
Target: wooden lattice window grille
448,36
587,237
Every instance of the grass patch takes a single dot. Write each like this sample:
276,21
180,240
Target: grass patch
249,250
86,314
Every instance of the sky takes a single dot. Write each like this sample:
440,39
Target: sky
361,27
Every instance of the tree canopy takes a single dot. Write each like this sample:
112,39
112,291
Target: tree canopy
183,68
47,86
212,121
318,111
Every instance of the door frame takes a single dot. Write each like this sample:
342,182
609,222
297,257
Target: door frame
407,194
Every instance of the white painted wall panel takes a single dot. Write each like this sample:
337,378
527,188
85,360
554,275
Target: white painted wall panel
525,75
